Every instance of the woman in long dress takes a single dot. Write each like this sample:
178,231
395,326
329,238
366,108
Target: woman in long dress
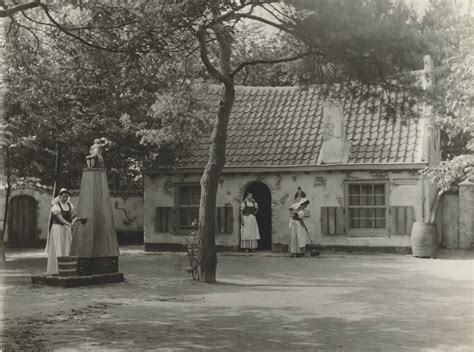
298,229
249,233
60,234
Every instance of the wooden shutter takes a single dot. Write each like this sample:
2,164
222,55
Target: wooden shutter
225,219
164,219
333,221
401,220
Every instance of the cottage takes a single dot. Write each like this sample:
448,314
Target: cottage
359,169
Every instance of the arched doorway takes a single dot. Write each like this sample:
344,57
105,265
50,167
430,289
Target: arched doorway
22,221
263,197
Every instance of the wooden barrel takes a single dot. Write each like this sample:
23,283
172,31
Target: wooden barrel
424,240
67,266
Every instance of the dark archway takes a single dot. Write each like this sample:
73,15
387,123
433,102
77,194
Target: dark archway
263,197
22,221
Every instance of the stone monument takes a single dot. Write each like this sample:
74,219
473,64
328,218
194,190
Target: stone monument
94,253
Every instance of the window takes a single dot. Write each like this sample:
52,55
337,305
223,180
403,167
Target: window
367,206
187,201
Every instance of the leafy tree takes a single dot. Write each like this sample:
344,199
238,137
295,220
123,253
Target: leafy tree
450,29
63,95
357,42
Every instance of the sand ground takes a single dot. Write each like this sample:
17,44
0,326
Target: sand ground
262,302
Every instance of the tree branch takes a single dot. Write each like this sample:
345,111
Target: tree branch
264,20
204,54
270,61
10,11
232,13
119,26
67,32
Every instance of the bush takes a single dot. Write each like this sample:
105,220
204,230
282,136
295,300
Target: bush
449,173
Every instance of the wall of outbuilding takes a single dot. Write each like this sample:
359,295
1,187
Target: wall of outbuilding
323,188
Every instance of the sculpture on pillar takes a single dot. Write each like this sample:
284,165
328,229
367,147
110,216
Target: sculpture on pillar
94,252
95,152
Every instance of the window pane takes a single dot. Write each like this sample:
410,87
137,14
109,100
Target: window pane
379,200
355,224
354,189
367,206
379,189
354,213
183,195
366,200
380,213
367,213
366,189
195,195
354,200
367,224
189,195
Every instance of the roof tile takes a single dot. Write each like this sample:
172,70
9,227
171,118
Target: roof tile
283,127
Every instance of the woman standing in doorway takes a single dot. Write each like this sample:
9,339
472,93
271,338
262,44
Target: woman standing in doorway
298,229
249,233
60,234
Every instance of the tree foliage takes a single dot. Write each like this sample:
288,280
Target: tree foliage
65,94
450,30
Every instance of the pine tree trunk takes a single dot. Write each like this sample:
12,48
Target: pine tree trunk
216,161
209,185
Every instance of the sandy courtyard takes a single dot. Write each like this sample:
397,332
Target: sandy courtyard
263,302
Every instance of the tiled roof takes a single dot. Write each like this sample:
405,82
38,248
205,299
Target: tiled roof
282,126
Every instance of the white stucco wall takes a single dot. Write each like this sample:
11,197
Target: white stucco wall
127,210
322,189
43,201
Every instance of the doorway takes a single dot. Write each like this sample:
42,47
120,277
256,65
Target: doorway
22,221
263,197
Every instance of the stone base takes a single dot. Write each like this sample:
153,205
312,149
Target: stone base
97,265
78,280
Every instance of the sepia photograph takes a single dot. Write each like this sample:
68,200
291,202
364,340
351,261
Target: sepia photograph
237,175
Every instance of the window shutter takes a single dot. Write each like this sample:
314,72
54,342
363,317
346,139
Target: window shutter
220,220
324,221
229,219
224,219
333,221
164,219
401,220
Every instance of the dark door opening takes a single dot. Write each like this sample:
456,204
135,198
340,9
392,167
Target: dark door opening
263,197
22,221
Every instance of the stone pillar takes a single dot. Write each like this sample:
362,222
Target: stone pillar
466,214
97,237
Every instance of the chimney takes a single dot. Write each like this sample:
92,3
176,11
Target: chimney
335,147
428,78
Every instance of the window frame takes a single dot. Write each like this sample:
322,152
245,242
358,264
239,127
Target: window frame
366,232
178,188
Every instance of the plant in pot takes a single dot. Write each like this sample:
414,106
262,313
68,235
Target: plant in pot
447,175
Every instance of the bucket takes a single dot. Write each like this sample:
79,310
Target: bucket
424,239
67,266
